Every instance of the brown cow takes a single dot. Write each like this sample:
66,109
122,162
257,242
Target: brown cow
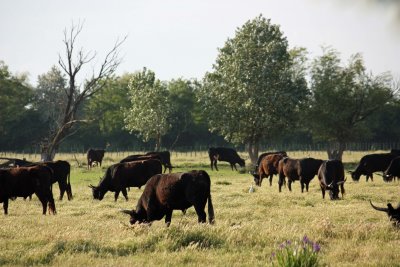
268,167
23,182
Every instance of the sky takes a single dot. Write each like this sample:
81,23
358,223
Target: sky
180,38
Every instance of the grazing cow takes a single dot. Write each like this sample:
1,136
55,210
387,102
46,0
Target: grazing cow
165,157
95,155
392,171
224,154
178,191
122,175
61,174
268,167
372,163
393,213
23,182
331,176
303,170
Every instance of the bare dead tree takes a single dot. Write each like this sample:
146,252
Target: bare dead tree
72,63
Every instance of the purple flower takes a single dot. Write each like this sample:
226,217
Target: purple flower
288,242
306,240
316,247
273,255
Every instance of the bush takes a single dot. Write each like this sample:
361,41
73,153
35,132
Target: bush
304,254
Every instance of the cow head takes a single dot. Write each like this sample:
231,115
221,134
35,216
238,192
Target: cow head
355,176
387,177
256,177
97,193
394,214
135,217
334,189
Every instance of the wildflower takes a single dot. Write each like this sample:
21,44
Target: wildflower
316,247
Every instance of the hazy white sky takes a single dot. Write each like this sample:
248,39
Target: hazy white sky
179,38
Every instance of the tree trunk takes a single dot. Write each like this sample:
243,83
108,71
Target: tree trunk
253,148
336,152
48,152
158,142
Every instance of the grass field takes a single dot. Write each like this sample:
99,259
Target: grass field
249,226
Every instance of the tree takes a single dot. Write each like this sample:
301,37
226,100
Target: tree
182,99
150,110
342,98
19,123
75,94
253,91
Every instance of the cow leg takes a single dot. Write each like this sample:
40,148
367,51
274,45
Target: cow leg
201,213
307,184
372,177
125,193
302,186
342,189
290,185
270,179
5,206
215,165
280,182
323,192
69,192
116,195
62,185
168,216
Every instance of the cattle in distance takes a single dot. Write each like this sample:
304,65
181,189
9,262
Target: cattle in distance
303,170
225,154
372,163
94,156
267,168
165,193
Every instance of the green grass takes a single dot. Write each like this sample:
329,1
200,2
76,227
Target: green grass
249,226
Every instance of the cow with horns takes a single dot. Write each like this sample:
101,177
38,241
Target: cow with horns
331,176
393,213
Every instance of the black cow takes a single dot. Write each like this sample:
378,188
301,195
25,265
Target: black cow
372,163
122,175
331,176
393,170
303,170
13,162
178,191
393,213
61,175
165,157
267,168
95,155
23,182
224,154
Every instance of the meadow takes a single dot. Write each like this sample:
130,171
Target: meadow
249,227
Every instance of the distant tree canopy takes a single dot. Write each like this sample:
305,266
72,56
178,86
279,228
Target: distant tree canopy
342,98
253,91
257,94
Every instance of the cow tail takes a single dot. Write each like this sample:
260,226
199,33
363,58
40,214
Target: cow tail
211,217
69,188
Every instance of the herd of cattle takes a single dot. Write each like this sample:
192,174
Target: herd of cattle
164,193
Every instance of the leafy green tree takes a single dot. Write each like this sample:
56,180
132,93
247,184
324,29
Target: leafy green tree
19,123
342,98
182,99
149,112
255,87
107,107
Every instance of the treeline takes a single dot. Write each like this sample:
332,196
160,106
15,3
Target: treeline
259,92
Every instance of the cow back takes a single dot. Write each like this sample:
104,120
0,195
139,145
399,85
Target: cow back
309,167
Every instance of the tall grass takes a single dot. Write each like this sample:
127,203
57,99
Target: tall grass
249,226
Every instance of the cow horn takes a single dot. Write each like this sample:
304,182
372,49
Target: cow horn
129,212
378,208
91,186
380,174
341,182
